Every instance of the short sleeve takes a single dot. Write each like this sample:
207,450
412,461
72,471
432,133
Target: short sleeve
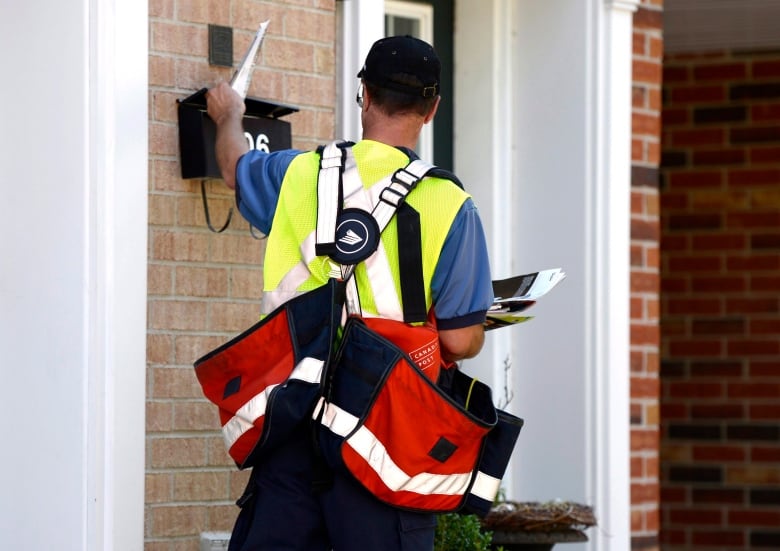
259,178
462,289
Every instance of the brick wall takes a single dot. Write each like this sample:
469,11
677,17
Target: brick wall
645,266
204,287
721,302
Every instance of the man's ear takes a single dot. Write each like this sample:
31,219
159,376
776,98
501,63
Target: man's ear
432,112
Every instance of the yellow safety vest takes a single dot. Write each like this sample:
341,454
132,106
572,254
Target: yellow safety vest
291,264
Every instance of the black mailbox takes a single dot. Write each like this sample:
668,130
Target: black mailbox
197,132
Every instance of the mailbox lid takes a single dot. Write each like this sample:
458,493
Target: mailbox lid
254,106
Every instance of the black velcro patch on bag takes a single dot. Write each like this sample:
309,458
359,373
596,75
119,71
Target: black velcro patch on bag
442,450
232,386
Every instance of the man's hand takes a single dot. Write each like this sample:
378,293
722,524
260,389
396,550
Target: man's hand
224,103
226,109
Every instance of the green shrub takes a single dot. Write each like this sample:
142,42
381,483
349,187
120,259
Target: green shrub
456,532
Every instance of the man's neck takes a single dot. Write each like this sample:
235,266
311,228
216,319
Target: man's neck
398,131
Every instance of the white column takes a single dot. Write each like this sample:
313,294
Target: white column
73,151
117,256
609,281
360,24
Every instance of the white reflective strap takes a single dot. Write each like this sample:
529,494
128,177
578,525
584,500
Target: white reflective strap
337,420
368,446
328,192
380,277
485,486
287,287
350,179
401,183
308,370
353,298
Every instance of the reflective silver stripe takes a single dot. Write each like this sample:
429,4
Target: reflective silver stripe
328,192
396,191
308,370
380,278
368,446
485,486
350,179
288,286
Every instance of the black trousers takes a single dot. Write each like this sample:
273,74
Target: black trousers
280,510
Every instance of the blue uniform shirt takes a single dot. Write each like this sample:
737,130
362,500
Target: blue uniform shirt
461,287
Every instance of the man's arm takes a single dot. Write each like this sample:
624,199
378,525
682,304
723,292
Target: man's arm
459,344
226,109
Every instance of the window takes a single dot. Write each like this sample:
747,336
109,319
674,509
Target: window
414,19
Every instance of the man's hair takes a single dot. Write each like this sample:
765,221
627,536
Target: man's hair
396,103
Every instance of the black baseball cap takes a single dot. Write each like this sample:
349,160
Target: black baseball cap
405,64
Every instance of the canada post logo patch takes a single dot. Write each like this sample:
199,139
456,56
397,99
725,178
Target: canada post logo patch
357,236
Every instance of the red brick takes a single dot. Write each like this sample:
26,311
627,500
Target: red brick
720,71
675,74
646,71
645,18
695,517
698,94
752,391
639,43
671,539
680,264
642,282
754,518
696,390
764,411
673,200
765,155
638,97
751,305
764,368
765,326
769,284
718,495
697,221
694,306
674,494
709,136
753,219
720,157
644,439
753,263
675,285
721,242
766,454
675,117
695,180
762,69
753,347
644,493
643,123
717,411
718,538
671,412
753,177
724,284
645,387
764,112
754,134
648,230
719,454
